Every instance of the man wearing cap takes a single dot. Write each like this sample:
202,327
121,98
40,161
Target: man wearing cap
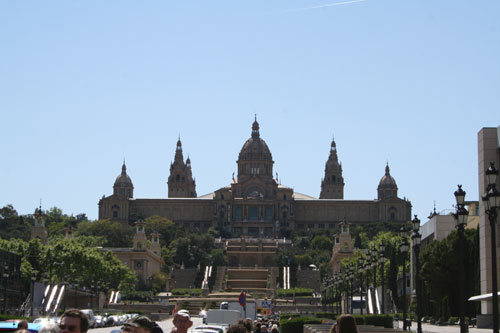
141,324
182,321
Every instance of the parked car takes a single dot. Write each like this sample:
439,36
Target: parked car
91,316
11,326
218,328
114,320
99,321
42,321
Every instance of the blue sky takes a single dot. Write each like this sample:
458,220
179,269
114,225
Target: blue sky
84,84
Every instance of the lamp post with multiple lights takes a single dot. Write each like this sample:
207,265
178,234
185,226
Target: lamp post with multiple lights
33,280
415,238
5,281
461,217
367,270
491,200
351,276
403,247
374,254
382,261
360,270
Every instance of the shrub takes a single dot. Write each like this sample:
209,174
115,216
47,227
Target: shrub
4,317
379,320
327,315
453,320
295,291
187,292
360,319
296,325
289,315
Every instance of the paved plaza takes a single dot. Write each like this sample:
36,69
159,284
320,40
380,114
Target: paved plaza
428,328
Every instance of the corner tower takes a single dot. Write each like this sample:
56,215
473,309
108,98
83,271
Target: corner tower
332,186
181,183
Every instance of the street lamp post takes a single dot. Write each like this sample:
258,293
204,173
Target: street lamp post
360,270
66,284
351,274
461,216
331,291
345,277
351,282
323,296
382,260
374,266
492,202
416,237
5,280
33,279
45,298
367,270
92,294
76,287
403,247
339,294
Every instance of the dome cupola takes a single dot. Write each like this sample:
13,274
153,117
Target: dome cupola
387,186
123,184
255,158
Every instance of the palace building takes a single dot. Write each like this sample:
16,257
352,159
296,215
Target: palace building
255,204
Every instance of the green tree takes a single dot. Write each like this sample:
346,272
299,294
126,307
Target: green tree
322,242
12,225
165,227
113,234
439,271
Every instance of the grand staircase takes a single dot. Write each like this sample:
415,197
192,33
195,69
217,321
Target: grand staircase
254,280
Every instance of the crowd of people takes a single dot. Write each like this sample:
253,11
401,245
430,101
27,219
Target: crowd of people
257,326
75,321
344,324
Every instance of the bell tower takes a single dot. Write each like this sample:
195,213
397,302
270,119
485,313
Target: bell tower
140,240
39,230
180,182
332,186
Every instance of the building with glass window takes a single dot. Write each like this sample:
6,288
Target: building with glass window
255,204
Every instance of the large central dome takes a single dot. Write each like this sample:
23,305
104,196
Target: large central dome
255,148
255,158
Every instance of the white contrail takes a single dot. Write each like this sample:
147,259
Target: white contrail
323,6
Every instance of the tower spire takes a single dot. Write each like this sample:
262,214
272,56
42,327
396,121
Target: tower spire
255,128
332,185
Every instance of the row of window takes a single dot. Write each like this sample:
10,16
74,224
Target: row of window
312,226
254,232
255,169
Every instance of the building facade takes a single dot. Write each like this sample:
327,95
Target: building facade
255,204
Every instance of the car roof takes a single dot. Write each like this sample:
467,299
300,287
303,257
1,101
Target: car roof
11,326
